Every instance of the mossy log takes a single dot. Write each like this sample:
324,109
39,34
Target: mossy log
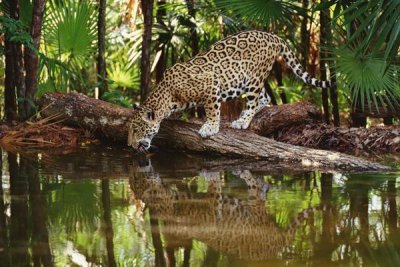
110,122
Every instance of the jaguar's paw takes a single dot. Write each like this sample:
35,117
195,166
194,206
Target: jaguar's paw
208,130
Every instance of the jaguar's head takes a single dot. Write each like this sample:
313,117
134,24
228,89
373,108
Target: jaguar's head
143,127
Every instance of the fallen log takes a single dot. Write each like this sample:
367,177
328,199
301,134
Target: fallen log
373,140
107,120
110,122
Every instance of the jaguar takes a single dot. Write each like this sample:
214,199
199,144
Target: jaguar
235,66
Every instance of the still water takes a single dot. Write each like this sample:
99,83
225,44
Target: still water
106,207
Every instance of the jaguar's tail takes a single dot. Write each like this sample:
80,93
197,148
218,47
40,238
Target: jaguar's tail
294,64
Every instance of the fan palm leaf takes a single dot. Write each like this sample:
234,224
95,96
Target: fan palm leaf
264,12
371,81
70,29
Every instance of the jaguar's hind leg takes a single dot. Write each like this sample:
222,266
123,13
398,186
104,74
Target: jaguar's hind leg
252,107
263,100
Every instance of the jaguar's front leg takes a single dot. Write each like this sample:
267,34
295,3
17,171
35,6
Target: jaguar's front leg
212,108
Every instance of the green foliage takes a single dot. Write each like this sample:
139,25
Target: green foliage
70,35
371,81
263,12
70,29
25,11
379,26
123,77
117,97
15,31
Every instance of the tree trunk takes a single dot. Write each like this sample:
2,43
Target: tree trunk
31,57
305,37
334,97
194,38
147,10
326,41
111,122
161,64
11,68
20,80
19,71
10,101
101,42
324,29
278,75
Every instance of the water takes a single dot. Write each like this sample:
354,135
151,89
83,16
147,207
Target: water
104,207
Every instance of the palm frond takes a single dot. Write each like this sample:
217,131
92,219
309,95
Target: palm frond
370,81
264,12
70,29
379,26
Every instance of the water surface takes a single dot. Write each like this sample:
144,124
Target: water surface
105,207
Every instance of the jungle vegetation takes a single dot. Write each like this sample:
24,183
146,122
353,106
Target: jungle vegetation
119,49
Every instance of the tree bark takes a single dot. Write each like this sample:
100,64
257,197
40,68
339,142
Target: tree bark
194,37
101,39
324,28
147,10
31,57
272,119
111,122
10,101
19,71
11,69
305,36
160,67
278,75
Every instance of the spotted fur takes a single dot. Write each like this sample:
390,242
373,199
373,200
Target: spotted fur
236,65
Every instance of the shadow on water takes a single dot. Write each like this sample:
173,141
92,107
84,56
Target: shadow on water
106,207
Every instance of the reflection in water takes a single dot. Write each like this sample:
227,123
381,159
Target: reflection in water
108,229
3,233
188,211
19,212
40,238
27,218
